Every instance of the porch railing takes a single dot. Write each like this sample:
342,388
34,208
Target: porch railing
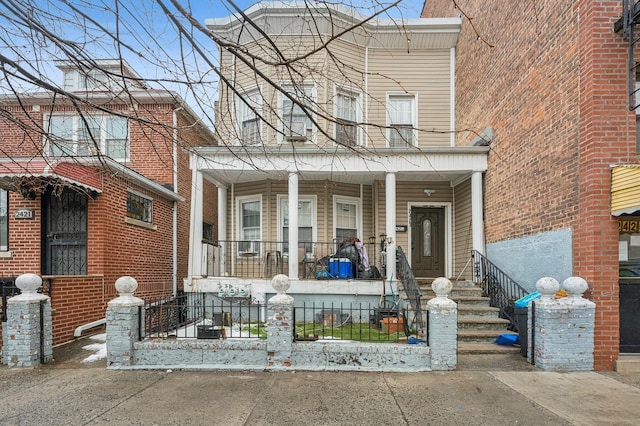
316,260
498,286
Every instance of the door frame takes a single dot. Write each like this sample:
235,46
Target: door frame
448,235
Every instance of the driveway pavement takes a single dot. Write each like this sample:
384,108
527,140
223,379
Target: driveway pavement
485,390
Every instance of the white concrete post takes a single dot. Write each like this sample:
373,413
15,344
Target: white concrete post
477,222
28,334
563,328
195,265
123,323
280,325
443,326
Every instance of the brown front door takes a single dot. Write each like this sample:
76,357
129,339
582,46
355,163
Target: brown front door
427,242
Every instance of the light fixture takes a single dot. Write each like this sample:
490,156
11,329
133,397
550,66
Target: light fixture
429,192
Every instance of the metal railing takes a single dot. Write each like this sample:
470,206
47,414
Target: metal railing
410,287
192,315
498,286
358,322
317,260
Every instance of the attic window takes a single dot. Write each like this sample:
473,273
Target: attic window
94,79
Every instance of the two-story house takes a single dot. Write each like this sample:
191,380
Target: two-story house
95,184
334,129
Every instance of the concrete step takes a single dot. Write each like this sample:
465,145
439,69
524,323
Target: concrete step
628,364
482,323
480,336
485,348
477,311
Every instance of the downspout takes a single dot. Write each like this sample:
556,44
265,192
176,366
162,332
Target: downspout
174,236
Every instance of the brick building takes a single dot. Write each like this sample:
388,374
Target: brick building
97,185
546,83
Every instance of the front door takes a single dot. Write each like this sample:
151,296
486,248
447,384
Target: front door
65,239
427,242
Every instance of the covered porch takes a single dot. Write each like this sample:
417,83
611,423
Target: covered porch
378,198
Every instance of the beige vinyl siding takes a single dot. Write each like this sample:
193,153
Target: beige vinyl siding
463,233
426,73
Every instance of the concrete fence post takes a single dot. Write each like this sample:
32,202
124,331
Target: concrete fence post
28,335
563,328
443,326
123,323
280,325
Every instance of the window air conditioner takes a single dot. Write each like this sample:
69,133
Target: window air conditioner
249,248
297,131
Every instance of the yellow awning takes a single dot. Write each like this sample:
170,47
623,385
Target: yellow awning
625,189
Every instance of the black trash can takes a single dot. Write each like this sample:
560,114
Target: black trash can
522,321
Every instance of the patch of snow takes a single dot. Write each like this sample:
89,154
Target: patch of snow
99,348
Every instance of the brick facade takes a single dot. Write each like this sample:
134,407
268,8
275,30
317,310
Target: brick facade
115,247
549,78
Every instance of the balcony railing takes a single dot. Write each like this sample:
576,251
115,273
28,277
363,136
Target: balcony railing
316,260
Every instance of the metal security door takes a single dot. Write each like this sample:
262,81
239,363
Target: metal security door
65,242
427,242
630,315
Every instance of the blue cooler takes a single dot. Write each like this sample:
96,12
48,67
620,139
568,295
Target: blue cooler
341,268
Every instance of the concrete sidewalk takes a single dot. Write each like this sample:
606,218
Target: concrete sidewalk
485,390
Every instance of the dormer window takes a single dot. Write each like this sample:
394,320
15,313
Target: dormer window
94,80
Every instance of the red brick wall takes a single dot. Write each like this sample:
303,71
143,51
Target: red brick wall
553,88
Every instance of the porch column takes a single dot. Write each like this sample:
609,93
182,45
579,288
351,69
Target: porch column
222,227
195,236
390,221
476,213
293,226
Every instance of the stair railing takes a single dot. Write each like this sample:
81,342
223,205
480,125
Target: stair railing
410,287
502,290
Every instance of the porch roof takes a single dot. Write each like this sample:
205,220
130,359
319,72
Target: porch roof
15,173
228,165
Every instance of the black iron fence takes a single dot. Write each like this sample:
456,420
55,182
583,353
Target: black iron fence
194,315
317,260
9,289
358,322
498,286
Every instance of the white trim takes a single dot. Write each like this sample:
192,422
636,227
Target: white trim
414,119
349,200
356,93
448,234
239,201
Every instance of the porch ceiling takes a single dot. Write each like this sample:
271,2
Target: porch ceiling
228,165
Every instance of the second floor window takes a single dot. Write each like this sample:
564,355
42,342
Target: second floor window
347,113
88,135
402,120
249,123
297,125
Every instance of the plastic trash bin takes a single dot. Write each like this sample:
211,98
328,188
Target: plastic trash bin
523,321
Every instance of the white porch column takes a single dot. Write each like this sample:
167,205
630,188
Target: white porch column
195,236
390,221
222,227
476,213
293,226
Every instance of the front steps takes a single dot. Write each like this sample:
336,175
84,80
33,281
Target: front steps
478,323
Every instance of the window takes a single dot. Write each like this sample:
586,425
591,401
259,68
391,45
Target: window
80,136
348,114
249,229
4,220
94,79
402,120
249,111
139,207
297,126
207,232
306,219
346,217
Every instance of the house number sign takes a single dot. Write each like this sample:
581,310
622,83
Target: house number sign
24,214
